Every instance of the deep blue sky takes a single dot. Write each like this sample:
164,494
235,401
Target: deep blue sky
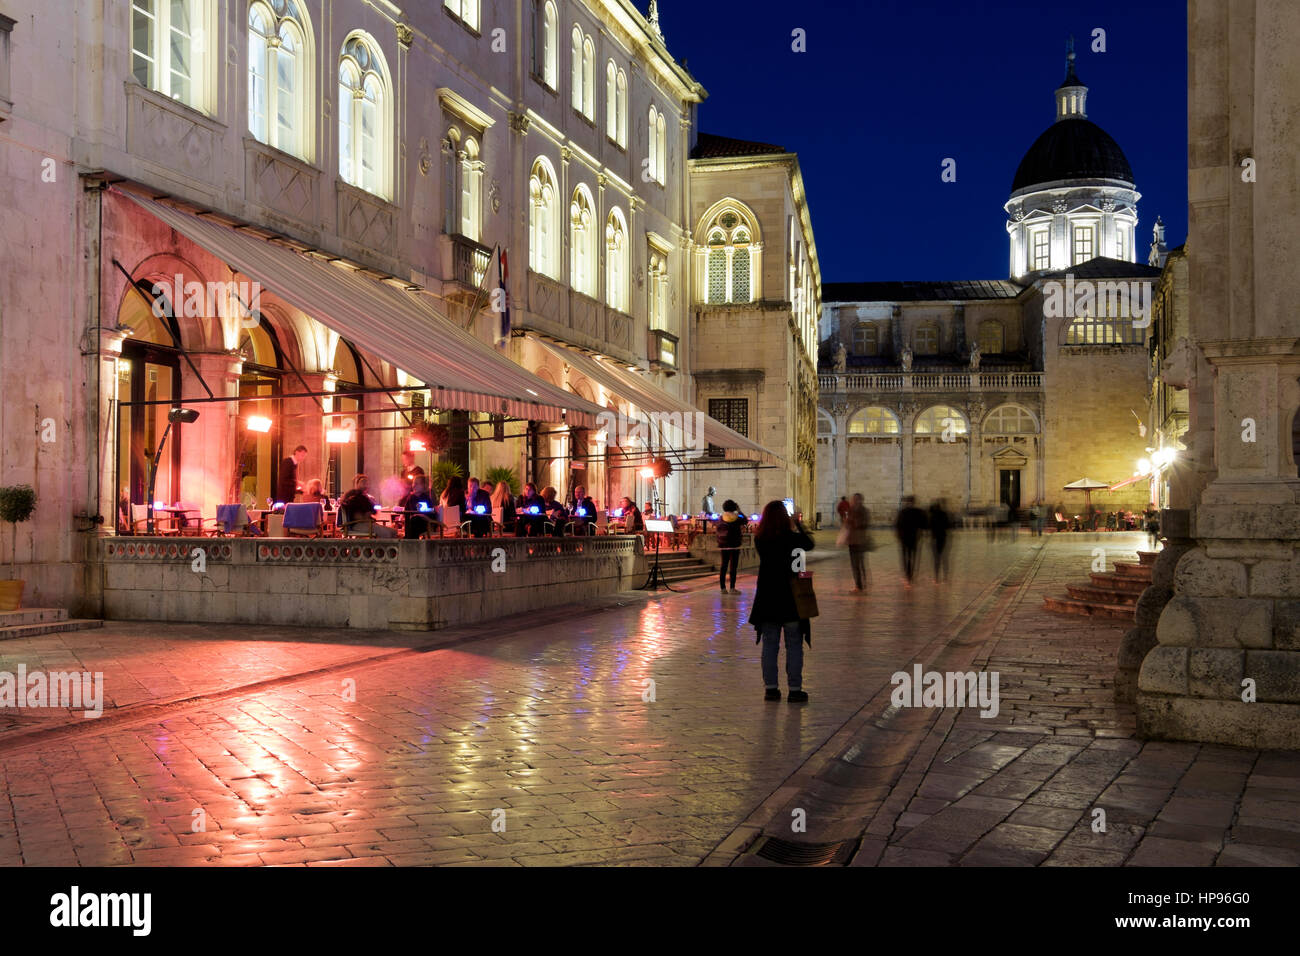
888,88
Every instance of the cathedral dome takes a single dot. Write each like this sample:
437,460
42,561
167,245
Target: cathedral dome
1072,148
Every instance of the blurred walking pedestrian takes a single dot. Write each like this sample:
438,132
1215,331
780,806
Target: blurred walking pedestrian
857,522
774,611
940,523
911,521
842,509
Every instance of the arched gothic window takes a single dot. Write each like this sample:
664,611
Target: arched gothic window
616,261
582,242
545,54
543,220
279,91
365,124
731,259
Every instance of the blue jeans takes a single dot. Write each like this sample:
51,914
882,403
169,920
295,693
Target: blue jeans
771,634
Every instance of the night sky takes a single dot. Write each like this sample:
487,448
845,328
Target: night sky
889,88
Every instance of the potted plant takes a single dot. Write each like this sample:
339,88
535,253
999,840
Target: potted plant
498,474
443,471
17,502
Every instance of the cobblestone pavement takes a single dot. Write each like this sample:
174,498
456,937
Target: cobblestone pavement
216,752
544,721
926,787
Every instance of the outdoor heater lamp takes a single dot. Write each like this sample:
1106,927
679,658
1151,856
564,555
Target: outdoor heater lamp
258,423
176,415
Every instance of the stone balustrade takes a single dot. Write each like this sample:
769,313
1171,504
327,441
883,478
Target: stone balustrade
927,381
359,583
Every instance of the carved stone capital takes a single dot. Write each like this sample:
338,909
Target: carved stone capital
1059,206
566,154
405,36
519,122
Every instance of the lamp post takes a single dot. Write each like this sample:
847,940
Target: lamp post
177,414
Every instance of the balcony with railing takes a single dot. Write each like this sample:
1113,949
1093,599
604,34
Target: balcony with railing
842,382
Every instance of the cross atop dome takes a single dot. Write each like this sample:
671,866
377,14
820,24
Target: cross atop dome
1071,95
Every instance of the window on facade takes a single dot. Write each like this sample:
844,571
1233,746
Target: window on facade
657,141
1120,251
873,421
543,221
938,419
363,118
866,340
661,135
616,104
658,291
991,337
1083,244
732,412
466,11
545,50
168,52
731,258
462,185
583,73
925,340
616,261
1010,420
1040,253
1091,330
825,426
582,243
278,85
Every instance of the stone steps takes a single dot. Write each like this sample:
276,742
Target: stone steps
1117,582
34,621
1099,595
1113,612
679,566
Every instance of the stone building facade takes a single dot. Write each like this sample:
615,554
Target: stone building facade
757,288
1226,667
985,392
406,144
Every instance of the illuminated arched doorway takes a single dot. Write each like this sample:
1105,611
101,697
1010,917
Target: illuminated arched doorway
259,393
149,371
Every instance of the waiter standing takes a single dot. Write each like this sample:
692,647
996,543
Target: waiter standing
286,484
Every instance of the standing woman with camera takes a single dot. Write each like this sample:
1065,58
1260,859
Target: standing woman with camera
774,611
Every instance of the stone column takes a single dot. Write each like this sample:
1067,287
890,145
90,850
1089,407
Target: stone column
1227,664
907,416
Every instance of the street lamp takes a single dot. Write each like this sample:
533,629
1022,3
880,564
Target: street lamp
176,415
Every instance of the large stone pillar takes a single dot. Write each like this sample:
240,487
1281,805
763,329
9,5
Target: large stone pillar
1227,665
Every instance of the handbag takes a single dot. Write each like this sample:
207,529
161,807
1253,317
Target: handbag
805,598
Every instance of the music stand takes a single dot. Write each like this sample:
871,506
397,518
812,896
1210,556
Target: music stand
656,579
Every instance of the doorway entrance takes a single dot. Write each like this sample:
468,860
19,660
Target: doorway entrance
1009,487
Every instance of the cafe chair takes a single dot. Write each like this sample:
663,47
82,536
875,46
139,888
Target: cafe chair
304,519
231,520
363,527
163,523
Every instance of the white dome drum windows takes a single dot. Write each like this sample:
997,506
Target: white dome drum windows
279,72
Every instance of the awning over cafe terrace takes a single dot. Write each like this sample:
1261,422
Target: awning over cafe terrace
650,398
397,325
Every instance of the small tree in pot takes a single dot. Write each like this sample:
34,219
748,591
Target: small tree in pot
17,502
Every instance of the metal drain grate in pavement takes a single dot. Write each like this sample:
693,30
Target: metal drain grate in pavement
793,853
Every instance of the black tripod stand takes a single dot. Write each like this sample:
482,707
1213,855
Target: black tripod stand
656,579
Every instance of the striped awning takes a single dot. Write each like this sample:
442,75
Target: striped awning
398,324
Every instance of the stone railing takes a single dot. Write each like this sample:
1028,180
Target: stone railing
927,381
360,583
469,261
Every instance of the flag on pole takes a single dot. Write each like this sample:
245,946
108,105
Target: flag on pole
503,273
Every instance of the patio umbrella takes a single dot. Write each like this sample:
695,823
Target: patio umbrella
1087,486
